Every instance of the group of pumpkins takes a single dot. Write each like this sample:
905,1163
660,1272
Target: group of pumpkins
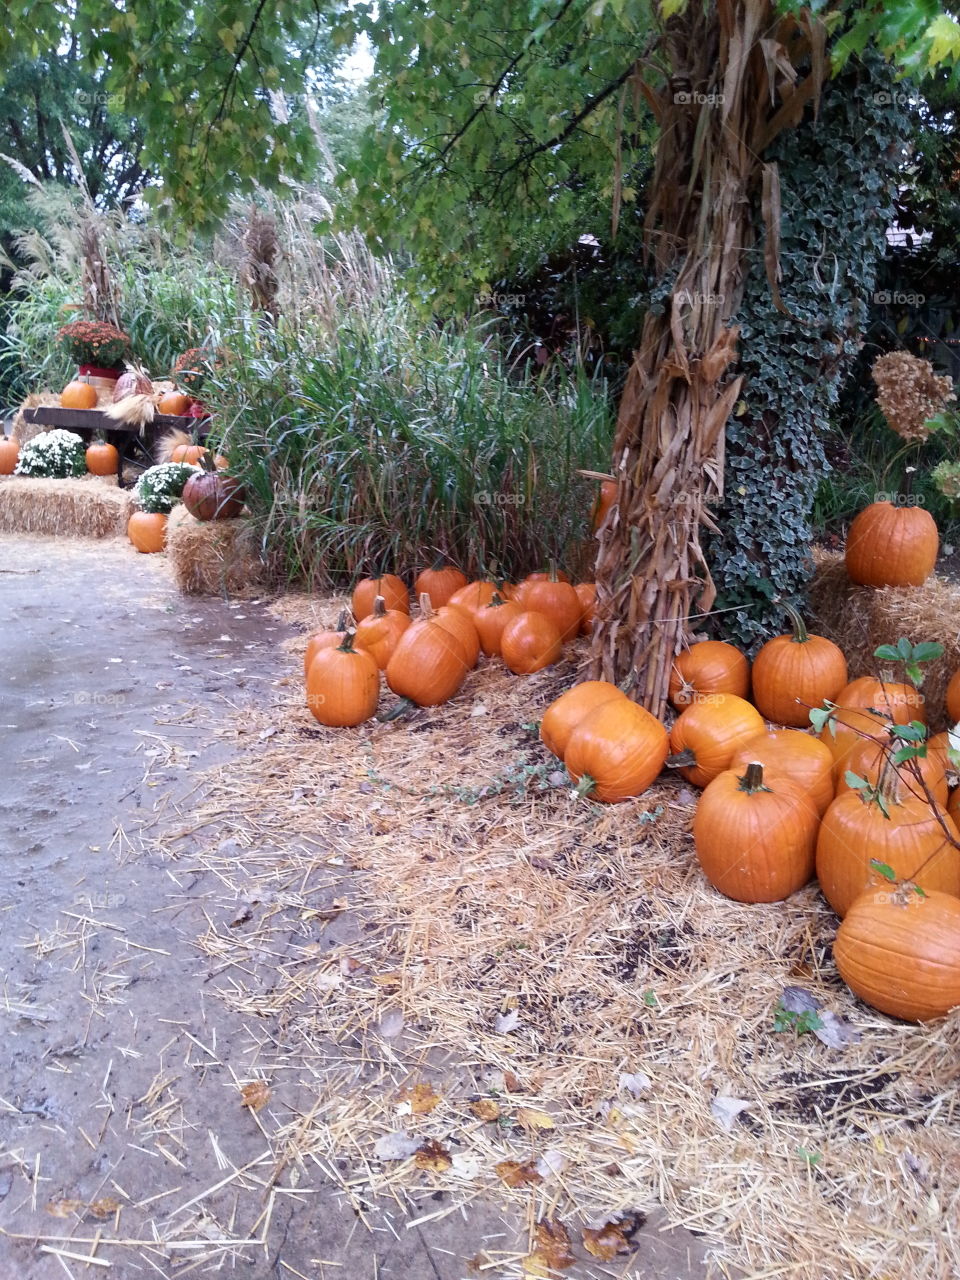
81,393
780,805
211,494
102,458
426,660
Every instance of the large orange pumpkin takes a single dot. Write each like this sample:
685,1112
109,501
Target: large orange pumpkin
565,713
102,459
429,664
795,756
869,756
530,642
900,952
379,632
616,751
755,835
490,621
78,395
795,672
324,639
439,583
9,455
147,530
556,600
890,546
710,666
706,735
389,586
900,703
343,685
846,728
587,595
892,828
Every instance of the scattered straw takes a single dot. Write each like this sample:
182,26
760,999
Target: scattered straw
23,430
83,507
213,558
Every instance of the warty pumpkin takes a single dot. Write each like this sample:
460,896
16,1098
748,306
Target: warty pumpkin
429,664
892,546
389,586
490,621
755,835
439,582
705,736
379,632
616,751
324,639
710,666
900,952
888,826
795,672
566,712
343,685
530,642
793,755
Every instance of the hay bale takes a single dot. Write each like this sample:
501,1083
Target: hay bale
25,431
214,558
859,619
82,507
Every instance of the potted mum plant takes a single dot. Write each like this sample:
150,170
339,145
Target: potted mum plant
191,370
98,348
155,494
53,455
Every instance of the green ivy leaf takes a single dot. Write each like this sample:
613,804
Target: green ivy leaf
854,781
883,869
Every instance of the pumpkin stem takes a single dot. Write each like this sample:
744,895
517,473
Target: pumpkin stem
552,564
342,623
752,780
347,645
426,608
800,633
584,786
684,759
404,707
379,607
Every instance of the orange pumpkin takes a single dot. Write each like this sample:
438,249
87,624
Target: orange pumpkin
705,736
343,685
389,586
429,664
78,395
174,403
475,595
605,499
889,826
459,622
147,530
565,713
795,672
587,595
794,756
616,751
952,698
900,703
530,642
556,600
439,583
324,639
890,546
9,455
490,621
845,729
900,952
710,666
102,459
755,835
868,757
379,632
188,453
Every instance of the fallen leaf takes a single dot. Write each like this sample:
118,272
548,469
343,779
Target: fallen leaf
530,1118
511,1083
551,1251
395,1146
392,979
485,1109
635,1082
605,1242
515,1174
836,1031
420,1098
551,1162
104,1208
349,966
63,1208
799,1000
506,1022
727,1109
390,1025
255,1095
431,1155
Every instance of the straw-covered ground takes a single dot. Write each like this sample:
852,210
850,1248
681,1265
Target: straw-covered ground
545,1001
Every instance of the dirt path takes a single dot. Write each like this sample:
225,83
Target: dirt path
121,1114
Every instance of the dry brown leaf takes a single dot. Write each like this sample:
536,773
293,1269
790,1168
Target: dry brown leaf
552,1250
605,1242
392,979
530,1118
431,1155
255,1095
485,1109
63,1208
421,1097
104,1208
515,1174
511,1083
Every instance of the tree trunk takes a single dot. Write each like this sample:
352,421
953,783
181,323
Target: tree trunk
732,87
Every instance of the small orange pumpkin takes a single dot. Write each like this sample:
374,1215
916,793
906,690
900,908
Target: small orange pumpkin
389,586
710,666
475,595
530,642
868,757
78,395
565,713
900,703
795,672
705,736
343,685
796,756
459,622
189,453
429,664
9,455
147,530
380,631
890,546
324,639
605,499
102,459
439,583
174,403
556,600
490,621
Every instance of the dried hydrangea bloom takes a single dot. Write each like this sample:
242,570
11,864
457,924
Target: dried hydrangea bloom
909,393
